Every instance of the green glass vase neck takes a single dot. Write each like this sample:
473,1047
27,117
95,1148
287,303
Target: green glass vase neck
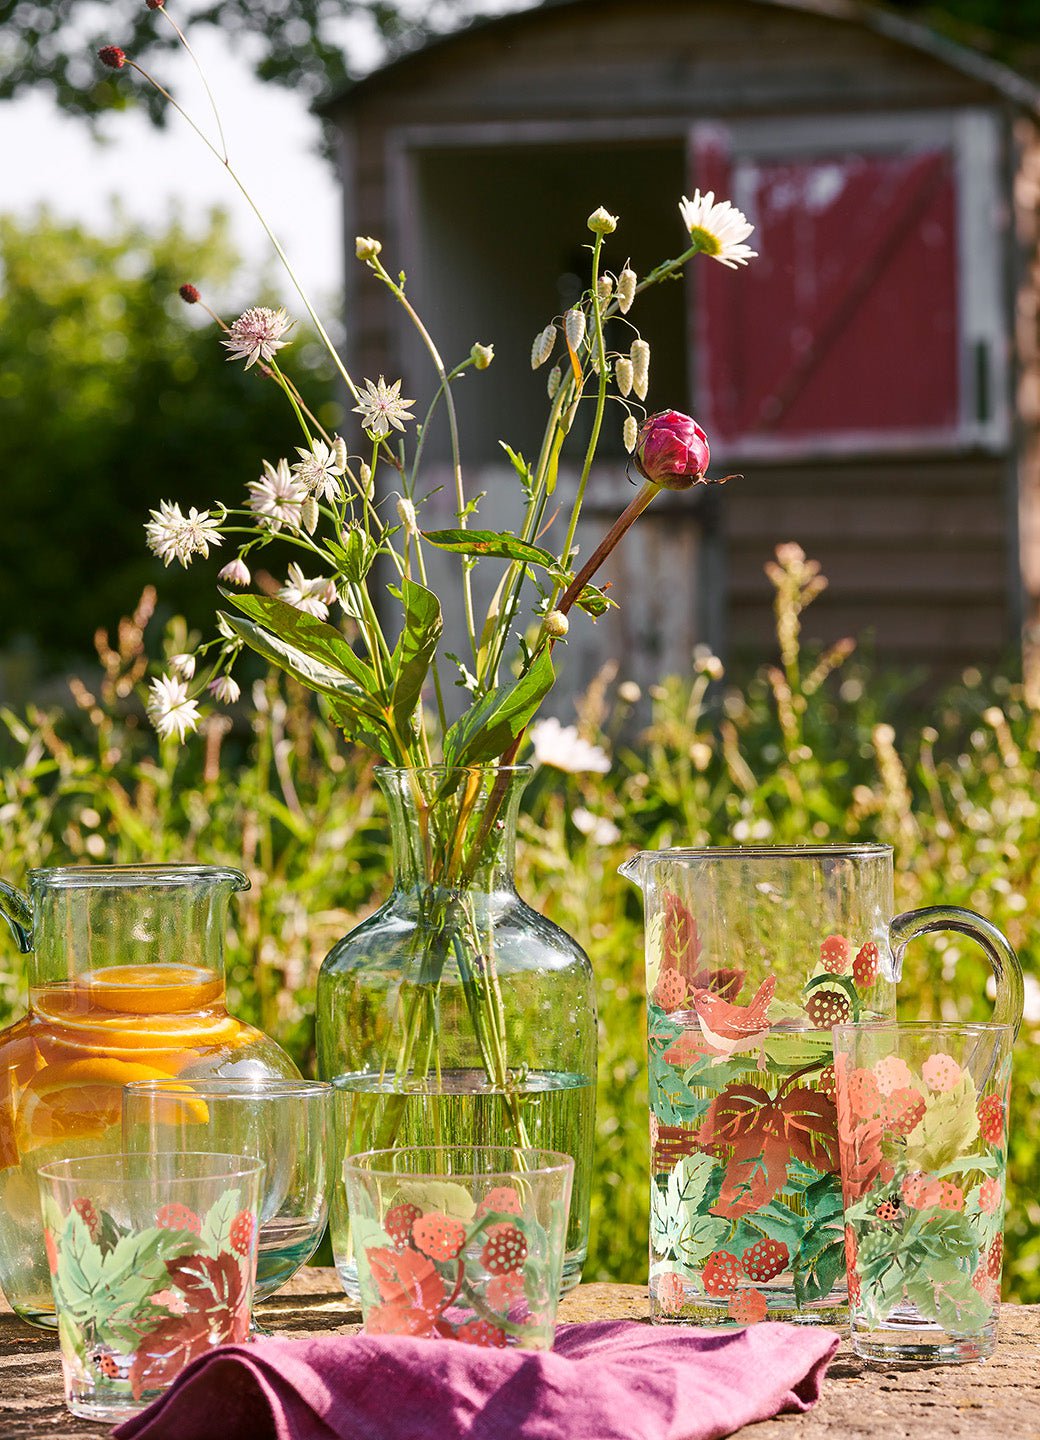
454,828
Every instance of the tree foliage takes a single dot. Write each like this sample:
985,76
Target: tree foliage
112,400
314,46
310,46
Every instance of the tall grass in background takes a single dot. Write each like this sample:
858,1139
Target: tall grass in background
812,748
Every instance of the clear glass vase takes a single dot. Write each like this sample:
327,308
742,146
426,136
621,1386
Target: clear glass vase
126,982
456,1014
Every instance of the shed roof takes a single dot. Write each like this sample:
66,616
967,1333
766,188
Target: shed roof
1008,83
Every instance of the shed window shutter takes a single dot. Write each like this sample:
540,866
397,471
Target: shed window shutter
847,325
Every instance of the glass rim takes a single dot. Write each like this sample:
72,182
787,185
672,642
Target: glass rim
82,1168
923,1027
84,877
245,1087
552,1162
867,850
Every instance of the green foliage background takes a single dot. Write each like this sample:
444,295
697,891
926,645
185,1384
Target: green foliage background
114,396
807,750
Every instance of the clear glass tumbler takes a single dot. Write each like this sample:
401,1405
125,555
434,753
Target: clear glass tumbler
152,1261
460,1243
922,1132
285,1123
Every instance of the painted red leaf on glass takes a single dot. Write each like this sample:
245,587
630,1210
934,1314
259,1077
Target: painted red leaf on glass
751,1125
811,1126
680,943
411,1288
859,1144
214,1292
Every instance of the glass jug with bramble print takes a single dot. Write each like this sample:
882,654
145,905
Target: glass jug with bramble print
126,982
752,955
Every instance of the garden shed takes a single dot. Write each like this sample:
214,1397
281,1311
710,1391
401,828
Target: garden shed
874,374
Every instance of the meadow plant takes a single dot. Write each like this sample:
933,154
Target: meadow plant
800,751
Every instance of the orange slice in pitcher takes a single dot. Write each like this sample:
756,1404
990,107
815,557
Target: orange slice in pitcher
20,1061
79,1099
152,989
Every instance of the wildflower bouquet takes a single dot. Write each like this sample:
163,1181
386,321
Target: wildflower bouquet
347,509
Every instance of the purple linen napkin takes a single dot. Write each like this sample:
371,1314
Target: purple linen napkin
610,1380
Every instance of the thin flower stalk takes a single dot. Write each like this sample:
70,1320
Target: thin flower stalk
375,690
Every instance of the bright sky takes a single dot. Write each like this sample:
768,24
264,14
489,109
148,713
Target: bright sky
51,159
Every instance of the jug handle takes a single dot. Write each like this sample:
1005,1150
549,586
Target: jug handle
17,911
1007,971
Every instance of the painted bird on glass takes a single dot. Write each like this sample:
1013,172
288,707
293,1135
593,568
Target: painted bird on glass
728,1027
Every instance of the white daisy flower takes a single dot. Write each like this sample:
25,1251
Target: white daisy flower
235,572
257,334
717,230
224,689
172,535
382,406
277,496
319,468
599,829
313,596
563,748
170,708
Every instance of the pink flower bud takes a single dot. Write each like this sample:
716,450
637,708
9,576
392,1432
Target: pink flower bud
189,294
112,56
672,450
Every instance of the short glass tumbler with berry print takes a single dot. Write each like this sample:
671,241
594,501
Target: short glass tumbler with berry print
922,1129
460,1243
152,1261
288,1124
753,953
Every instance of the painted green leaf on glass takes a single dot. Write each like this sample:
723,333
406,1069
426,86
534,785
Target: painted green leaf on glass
950,1126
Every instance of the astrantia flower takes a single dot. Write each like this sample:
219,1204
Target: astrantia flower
183,665
563,748
319,469
381,406
313,596
277,496
174,536
170,708
235,572
257,334
224,689
717,230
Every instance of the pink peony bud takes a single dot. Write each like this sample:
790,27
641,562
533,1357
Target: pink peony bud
672,450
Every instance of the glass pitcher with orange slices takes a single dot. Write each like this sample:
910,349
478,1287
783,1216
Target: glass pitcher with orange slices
126,982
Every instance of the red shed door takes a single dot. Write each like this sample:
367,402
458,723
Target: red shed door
844,333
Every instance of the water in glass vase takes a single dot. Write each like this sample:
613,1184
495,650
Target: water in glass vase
556,1111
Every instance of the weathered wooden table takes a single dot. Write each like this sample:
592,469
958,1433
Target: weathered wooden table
999,1400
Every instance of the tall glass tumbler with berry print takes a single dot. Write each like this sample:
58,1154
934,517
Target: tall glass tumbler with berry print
152,1261
753,954
922,1125
460,1243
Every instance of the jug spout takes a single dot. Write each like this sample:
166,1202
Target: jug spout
17,911
632,868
